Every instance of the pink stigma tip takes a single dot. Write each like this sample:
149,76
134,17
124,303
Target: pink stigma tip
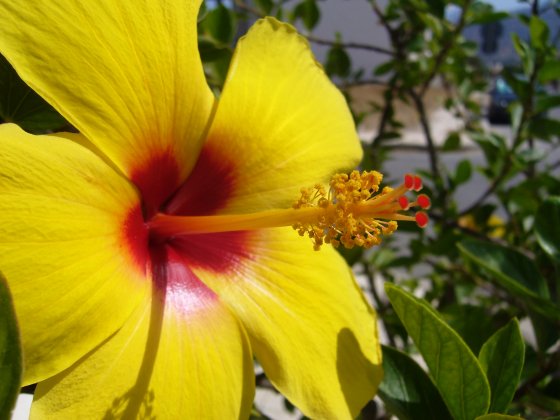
423,201
421,219
409,181
403,202
417,183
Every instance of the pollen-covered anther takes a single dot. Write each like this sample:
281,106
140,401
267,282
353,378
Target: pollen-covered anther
355,212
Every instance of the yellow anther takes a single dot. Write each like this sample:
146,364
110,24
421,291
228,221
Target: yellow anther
354,212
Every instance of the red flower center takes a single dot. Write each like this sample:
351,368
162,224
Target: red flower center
205,191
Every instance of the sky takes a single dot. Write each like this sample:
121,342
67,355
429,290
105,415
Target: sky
452,12
212,3
506,5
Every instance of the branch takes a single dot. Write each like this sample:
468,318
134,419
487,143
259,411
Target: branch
551,367
381,307
363,82
442,55
351,45
432,153
393,35
244,6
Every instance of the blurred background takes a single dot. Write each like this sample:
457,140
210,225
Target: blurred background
464,93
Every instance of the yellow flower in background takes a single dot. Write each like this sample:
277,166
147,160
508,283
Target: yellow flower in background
495,225
125,308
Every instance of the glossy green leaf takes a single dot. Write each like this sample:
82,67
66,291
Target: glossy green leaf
513,270
21,105
475,324
547,227
10,353
502,358
454,368
407,391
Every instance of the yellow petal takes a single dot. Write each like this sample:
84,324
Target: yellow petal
307,320
127,74
64,247
280,123
185,358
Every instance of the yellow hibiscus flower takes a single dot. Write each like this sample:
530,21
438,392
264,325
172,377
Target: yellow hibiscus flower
124,311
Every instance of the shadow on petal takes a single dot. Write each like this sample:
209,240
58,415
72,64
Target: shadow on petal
138,401
358,376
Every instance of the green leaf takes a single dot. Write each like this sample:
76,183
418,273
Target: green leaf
544,128
463,172
549,71
526,54
308,12
437,7
384,68
539,32
502,358
407,390
530,156
219,24
475,324
338,62
489,17
546,102
10,353
210,52
546,330
496,416
547,227
21,105
516,113
514,271
265,6
454,368
452,142
481,13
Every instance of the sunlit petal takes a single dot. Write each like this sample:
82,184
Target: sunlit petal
127,74
64,249
280,125
181,355
307,320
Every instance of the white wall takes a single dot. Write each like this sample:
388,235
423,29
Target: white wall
356,22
